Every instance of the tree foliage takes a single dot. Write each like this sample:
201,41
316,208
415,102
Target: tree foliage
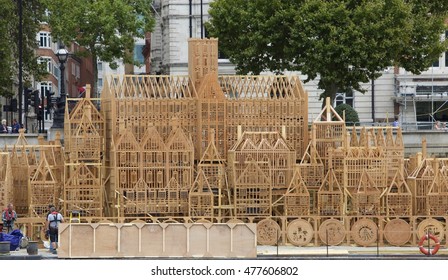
343,42
105,28
32,12
351,116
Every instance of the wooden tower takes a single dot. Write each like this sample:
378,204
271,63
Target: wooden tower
311,168
328,132
214,169
84,132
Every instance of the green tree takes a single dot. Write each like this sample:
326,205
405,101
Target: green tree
106,29
32,13
343,42
351,116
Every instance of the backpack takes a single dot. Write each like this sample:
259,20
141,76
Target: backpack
54,223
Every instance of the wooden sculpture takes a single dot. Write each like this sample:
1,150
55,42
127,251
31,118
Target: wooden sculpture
206,148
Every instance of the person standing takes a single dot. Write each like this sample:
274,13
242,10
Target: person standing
9,216
15,126
54,219
395,123
3,127
46,230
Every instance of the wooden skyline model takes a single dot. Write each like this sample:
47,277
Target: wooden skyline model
206,148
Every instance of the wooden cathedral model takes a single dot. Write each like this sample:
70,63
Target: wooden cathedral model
207,148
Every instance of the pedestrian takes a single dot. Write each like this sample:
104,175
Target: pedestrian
9,216
3,127
54,219
15,126
46,230
437,126
395,123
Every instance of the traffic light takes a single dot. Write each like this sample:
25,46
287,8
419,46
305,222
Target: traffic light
32,98
36,104
14,105
49,95
27,94
40,113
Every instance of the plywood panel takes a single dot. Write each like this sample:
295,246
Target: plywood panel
157,240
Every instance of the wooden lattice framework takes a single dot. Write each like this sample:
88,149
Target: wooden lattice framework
358,160
419,183
366,197
271,153
84,130
172,149
297,197
331,196
312,169
266,103
215,171
253,192
44,189
6,179
221,103
437,197
153,176
25,159
398,197
376,148
201,198
328,132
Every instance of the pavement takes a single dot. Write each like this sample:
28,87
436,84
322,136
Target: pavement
290,252
346,252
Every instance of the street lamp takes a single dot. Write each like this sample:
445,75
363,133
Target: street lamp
58,119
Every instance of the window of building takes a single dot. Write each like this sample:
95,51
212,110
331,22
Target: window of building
49,63
446,59
436,63
78,71
100,82
222,55
44,86
431,89
44,39
429,111
100,66
344,98
138,54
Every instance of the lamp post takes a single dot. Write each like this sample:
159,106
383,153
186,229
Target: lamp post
58,117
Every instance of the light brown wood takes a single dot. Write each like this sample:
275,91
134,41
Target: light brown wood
211,149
